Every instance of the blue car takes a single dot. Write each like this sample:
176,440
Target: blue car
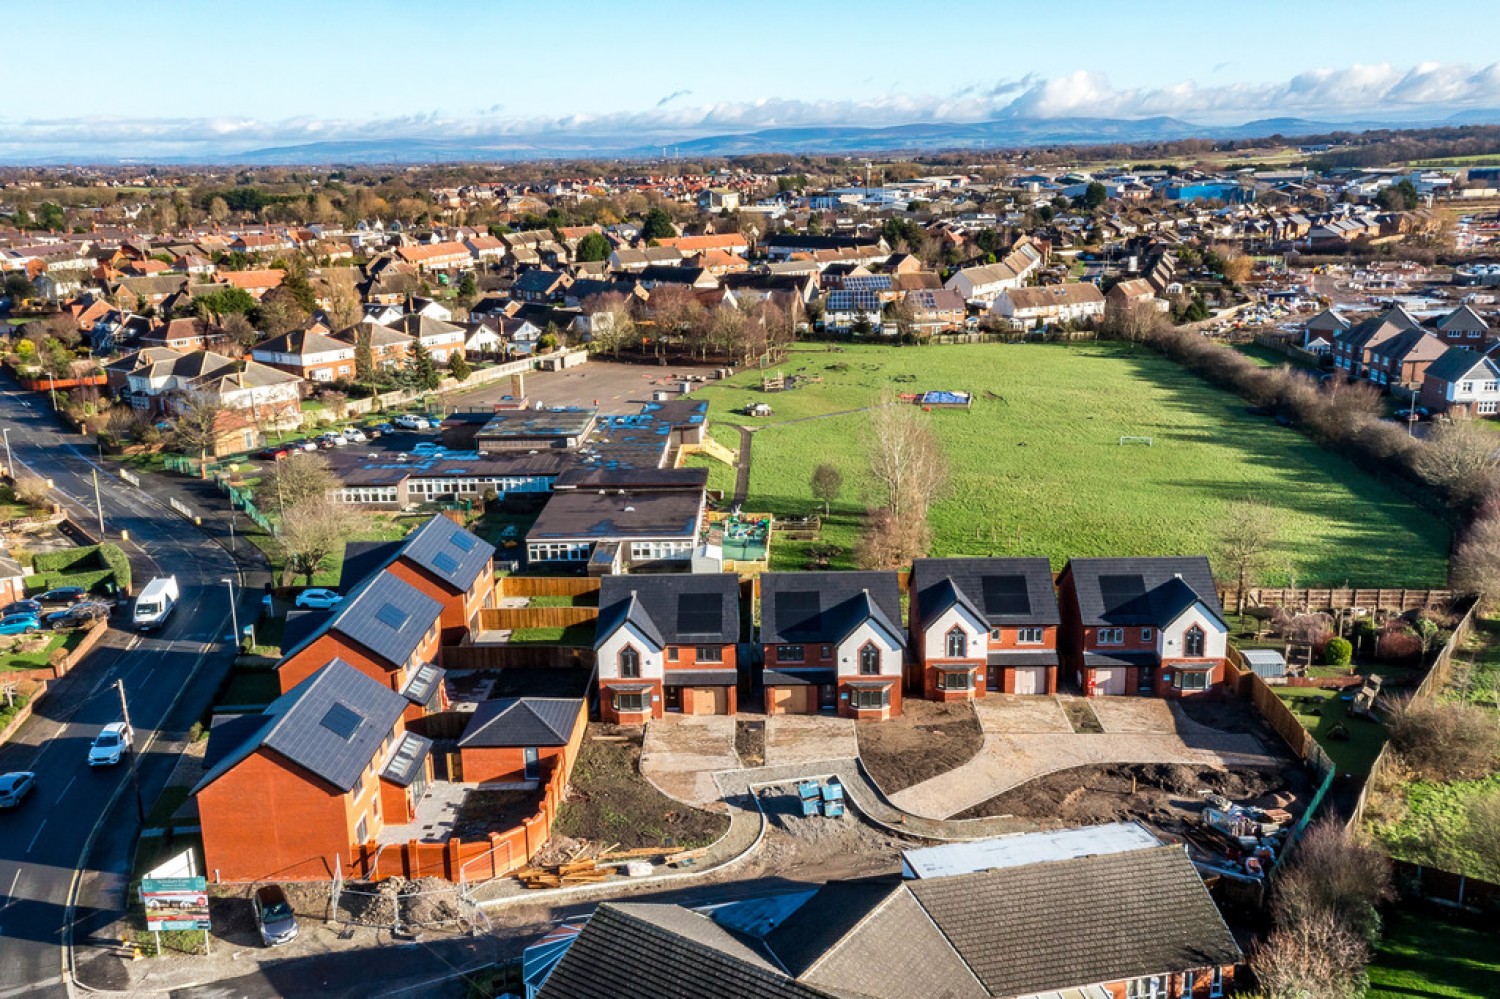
19,624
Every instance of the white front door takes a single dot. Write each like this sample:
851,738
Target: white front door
1109,681
1028,679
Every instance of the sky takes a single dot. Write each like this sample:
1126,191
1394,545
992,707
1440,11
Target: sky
155,75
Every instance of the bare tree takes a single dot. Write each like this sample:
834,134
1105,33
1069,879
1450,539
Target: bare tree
343,305
1444,740
907,472
1318,958
890,541
1459,458
1476,560
1249,535
1333,872
827,483
296,479
240,332
310,533
196,427
613,322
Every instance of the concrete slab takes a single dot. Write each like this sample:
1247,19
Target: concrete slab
1134,714
804,738
681,753
1004,714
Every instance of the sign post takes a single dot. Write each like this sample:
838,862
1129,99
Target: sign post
176,904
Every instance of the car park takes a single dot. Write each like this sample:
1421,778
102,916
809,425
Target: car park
273,915
407,421
19,624
32,607
63,595
110,745
318,599
16,786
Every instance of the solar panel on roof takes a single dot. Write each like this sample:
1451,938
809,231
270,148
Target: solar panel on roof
445,562
1119,593
699,613
462,540
799,610
391,616
340,721
1006,595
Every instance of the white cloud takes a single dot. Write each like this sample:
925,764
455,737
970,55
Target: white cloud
1351,91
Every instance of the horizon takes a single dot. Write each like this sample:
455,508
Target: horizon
382,73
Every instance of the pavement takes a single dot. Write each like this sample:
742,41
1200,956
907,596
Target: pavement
681,753
66,853
1136,730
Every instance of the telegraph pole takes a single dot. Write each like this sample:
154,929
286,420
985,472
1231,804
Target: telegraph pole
135,780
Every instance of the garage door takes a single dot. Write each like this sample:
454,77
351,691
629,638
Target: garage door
1031,679
1109,681
720,700
794,700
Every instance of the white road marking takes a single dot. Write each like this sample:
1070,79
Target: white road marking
66,787
10,895
37,836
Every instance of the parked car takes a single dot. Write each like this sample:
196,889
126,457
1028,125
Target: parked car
63,595
302,445
1407,413
434,422
31,607
19,624
427,448
318,599
354,435
332,440
385,428
273,916
80,615
272,453
15,786
408,421
109,745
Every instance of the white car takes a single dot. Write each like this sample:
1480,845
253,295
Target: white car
354,435
318,599
109,745
406,421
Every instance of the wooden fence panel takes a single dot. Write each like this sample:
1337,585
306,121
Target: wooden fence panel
511,618
547,586
1391,599
517,657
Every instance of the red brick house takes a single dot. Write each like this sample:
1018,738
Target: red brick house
516,740
442,560
1463,327
313,356
1351,348
1142,626
292,793
1462,383
1402,360
667,643
833,642
982,624
387,629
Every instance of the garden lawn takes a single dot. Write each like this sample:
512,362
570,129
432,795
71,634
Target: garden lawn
1422,955
42,655
1434,831
1366,736
1037,468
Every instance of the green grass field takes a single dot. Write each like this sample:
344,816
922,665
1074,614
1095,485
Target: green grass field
1037,467
1422,955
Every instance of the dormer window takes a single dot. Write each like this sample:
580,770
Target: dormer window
1192,641
630,663
958,644
869,660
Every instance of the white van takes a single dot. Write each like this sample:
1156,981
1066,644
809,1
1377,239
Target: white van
154,605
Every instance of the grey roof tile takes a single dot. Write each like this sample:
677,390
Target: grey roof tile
683,609
522,721
826,606
1004,591
388,616
1136,591
448,552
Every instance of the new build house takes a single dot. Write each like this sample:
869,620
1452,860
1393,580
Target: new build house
1149,626
387,628
667,643
514,740
982,624
833,641
1462,382
294,792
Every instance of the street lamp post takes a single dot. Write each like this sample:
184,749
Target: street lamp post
135,780
10,465
234,614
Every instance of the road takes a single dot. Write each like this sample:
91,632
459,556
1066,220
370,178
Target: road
170,677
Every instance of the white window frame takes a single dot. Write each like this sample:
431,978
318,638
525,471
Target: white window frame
1216,982
1146,634
1487,407
1030,636
958,639
1110,636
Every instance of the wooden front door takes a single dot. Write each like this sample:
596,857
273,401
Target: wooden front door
674,698
994,678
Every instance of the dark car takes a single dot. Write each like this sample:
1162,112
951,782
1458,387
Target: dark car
385,428
272,454
273,916
63,595
80,615
21,607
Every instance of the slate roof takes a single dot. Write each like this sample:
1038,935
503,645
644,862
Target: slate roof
302,343
800,940
331,724
362,559
826,606
1462,319
384,614
1008,658
575,515
1002,591
448,552
1069,923
1141,591
662,951
521,721
1456,362
686,609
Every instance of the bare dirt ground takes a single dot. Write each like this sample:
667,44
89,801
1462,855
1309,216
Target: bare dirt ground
929,738
609,802
750,742
818,849
485,810
681,753
1164,795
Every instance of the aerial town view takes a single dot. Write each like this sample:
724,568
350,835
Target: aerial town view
1011,513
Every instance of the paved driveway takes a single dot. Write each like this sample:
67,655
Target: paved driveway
681,753
1007,714
1148,731
804,738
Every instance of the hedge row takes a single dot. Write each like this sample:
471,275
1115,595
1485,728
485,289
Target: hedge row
90,567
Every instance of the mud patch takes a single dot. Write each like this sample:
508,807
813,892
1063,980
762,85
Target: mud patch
928,738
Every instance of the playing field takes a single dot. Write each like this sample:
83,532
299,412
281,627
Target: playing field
1037,467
